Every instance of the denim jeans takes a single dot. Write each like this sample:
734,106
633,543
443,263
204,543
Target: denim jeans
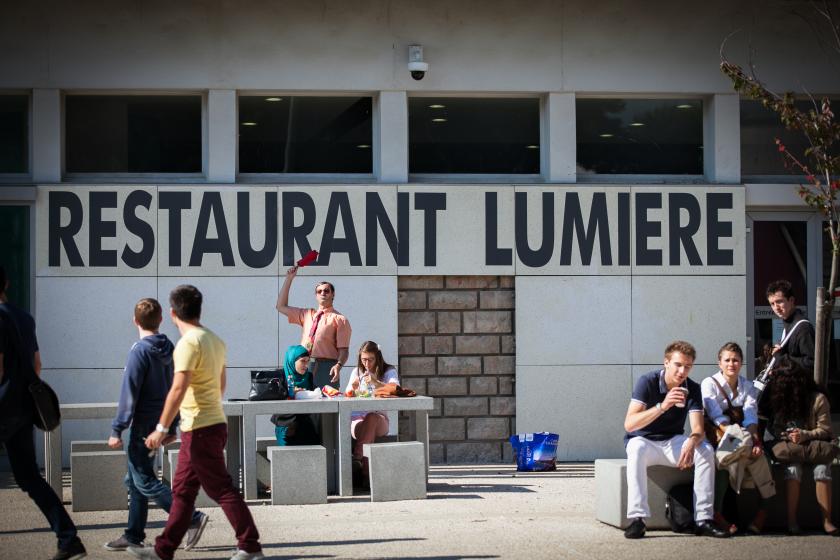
143,484
21,450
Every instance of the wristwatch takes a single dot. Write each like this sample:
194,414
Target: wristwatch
659,407
161,428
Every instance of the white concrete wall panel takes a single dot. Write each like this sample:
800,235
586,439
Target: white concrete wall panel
596,208
369,302
705,311
583,404
575,45
696,206
116,215
462,229
85,385
207,235
240,310
572,320
86,322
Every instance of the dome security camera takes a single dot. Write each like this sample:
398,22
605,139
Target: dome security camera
416,66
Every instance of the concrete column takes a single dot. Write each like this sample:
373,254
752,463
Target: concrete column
390,161
722,138
558,152
221,136
46,136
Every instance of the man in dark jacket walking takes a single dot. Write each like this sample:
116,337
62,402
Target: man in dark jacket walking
146,382
20,360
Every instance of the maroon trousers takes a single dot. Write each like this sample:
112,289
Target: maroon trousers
201,463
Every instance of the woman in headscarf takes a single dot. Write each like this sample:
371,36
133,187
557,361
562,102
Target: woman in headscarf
296,429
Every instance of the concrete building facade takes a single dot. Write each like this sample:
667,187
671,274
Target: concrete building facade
525,300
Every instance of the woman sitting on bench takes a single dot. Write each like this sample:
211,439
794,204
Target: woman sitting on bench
371,372
800,416
730,398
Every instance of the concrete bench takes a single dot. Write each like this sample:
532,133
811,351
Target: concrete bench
298,474
263,464
611,492
397,471
202,500
611,496
98,477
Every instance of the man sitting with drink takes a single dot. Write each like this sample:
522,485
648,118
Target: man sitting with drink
654,423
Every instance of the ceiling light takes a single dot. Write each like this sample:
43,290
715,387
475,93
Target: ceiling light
637,124
274,99
606,135
438,120
437,106
363,146
684,106
249,123
532,147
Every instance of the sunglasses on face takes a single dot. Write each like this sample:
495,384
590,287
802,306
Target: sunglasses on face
323,291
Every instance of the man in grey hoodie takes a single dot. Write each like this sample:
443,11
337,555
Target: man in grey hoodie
146,382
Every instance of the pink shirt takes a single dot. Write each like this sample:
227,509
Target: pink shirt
332,334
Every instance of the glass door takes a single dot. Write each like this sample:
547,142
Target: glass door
14,252
782,245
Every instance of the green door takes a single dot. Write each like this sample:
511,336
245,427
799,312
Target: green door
14,252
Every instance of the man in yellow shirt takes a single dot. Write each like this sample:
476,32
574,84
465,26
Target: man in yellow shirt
197,390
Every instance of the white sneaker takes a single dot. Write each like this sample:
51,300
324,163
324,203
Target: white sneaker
242,555
195,531
147,553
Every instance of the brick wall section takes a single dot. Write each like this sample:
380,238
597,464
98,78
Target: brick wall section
456,343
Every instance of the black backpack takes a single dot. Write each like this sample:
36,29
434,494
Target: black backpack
679,508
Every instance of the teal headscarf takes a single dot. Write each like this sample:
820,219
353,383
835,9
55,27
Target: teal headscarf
293,378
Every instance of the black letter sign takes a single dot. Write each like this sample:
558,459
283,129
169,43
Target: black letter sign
63,235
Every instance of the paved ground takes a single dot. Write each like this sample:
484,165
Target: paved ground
472,512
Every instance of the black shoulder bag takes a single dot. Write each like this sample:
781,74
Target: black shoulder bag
268,385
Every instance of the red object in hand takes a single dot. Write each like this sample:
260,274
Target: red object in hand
308,258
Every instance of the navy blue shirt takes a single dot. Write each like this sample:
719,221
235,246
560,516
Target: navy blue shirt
17,327
651,389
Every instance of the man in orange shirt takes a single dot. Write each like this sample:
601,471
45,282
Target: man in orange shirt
324,331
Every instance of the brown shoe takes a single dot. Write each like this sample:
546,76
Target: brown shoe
757,525
724,525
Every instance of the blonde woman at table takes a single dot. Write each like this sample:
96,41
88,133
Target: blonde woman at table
371,372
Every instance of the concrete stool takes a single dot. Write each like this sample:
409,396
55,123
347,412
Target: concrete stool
397,471
86,446
298,474
202,500
98,480
263,464
166,470
611,492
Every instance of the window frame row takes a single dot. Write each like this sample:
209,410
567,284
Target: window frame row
270,177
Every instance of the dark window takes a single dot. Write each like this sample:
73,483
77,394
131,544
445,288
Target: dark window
469,135
133,133
640,136
281,134
759,129
14,134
